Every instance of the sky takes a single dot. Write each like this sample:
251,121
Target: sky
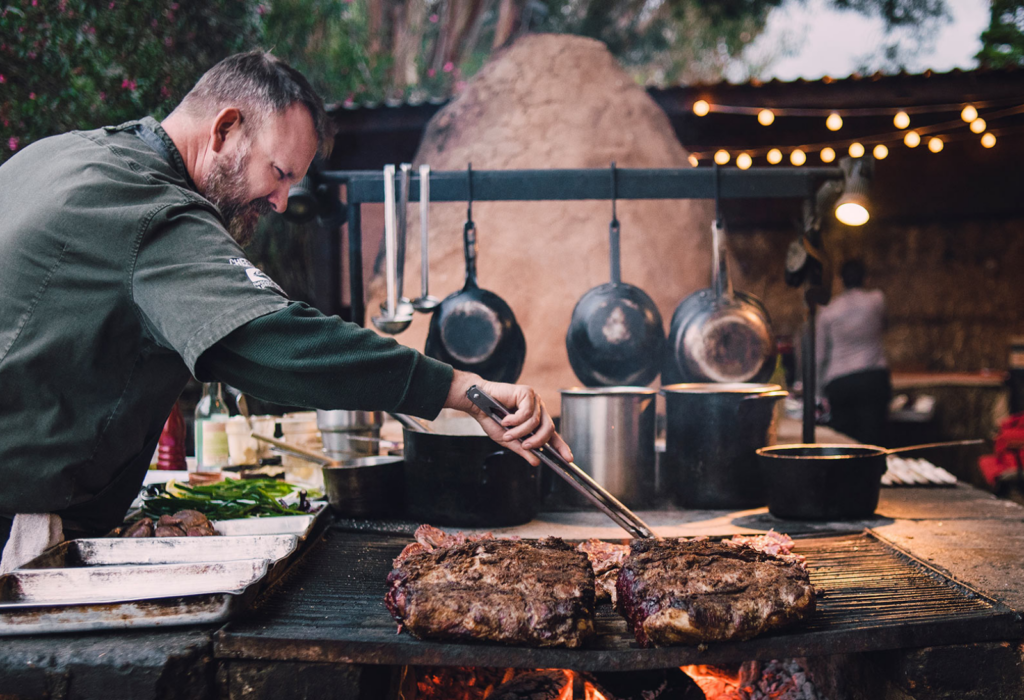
808,39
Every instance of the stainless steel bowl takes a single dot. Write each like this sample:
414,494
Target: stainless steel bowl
350,433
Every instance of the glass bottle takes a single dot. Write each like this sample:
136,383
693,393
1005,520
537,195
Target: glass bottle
211,434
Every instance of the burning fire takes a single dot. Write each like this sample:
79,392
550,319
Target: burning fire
482,683
716,682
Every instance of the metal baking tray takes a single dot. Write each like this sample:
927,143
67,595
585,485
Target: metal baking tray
163,550
298,525
34,601
118,584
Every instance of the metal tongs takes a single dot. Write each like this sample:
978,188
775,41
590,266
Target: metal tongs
577,478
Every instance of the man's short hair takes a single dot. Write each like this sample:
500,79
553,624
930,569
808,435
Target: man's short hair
852,273
259,84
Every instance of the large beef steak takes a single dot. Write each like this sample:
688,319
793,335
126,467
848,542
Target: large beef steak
687,592
534,594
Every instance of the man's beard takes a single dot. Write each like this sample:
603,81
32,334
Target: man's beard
224,185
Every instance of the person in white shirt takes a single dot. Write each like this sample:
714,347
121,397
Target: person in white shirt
851,361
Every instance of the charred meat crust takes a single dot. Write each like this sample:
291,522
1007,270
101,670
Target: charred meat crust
535,594
678,592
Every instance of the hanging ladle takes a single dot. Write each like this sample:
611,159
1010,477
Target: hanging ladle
425,303
394,318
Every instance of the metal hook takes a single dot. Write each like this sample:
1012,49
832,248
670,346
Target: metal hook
469,201
718,202
615,219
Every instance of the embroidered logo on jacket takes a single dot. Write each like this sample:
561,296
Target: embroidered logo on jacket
259,279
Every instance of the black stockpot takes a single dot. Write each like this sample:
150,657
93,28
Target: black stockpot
467,481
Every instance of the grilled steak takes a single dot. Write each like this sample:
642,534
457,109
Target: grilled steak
679,592
534,594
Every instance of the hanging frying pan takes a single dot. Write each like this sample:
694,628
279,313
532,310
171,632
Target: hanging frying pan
616,336
473,329
718,334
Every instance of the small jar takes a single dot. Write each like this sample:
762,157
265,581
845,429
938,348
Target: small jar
242,446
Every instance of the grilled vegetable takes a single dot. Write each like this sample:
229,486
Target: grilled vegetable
231,498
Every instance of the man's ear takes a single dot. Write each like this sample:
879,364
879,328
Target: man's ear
225,125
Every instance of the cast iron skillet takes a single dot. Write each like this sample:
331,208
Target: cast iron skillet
473,329
718,334
616,336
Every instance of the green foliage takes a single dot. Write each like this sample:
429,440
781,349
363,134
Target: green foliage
1002,44
329,41
79,64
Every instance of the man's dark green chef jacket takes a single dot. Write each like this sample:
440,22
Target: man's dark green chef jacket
118,280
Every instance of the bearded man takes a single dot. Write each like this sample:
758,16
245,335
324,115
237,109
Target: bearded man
121,273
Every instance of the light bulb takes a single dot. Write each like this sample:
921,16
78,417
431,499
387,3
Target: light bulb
988,140
775,156
901,120
744,161
852,214
856,150
912,139
798,157
978,126
694,161
765,117
935,144
880,151
834,122
722,157
701,108
969,113
827,155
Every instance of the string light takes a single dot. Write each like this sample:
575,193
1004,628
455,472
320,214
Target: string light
912,139
834,122
827,155
969,113
988,140
722,157
901,120
978,126
765,117
880,151
694,161
701,108
935,144
744,161
856,149
775,156
797,157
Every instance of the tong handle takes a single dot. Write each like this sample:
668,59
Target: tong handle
576,477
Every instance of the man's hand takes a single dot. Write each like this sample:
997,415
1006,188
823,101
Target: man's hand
528,416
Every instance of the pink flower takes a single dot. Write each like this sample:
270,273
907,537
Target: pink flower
12,143
128,84
261,10
103,96
164,92
448,67
34,3
460,85
2,78
434,18
168,42
110,6
431,72
31,96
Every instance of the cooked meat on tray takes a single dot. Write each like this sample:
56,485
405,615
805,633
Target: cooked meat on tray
184,523
675,591
510,591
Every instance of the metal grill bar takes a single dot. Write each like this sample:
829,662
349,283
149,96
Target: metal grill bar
874,597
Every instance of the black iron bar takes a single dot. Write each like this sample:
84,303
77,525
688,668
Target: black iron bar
367,186
355,263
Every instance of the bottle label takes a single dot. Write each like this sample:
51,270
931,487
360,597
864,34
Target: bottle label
214,443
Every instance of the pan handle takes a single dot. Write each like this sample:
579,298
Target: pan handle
469,234
613,235
403,225
390,241
720,282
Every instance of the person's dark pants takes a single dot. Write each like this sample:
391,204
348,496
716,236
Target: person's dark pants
859,404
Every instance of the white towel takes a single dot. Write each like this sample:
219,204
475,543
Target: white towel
31,535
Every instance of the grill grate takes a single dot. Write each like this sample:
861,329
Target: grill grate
875,597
